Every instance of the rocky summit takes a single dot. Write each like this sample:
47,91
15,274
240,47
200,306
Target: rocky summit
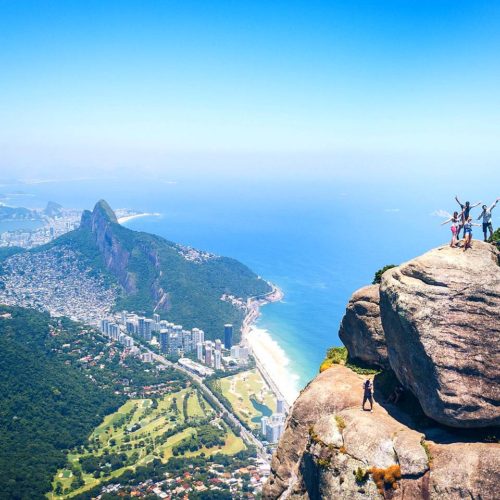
332,449
440,314
432,329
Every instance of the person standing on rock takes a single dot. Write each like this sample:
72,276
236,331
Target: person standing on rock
455,224
465,212
468,233
486,215
368,394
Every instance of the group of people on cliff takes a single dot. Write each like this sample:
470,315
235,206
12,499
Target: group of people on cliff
463,221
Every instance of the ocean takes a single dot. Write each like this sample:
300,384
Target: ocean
318,239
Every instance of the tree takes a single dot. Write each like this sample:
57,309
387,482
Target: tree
378,275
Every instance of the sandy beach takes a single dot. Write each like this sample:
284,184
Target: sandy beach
126,218
271,359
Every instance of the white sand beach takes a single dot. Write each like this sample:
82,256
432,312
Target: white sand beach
127,218
274,361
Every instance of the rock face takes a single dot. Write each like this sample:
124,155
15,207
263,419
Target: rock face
328,438
102,223
361,328
436,321
441,317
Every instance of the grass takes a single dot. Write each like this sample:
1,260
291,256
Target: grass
114,435
340,356
243,388
425,446
340,422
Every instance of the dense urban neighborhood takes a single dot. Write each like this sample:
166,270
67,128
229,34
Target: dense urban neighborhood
197,418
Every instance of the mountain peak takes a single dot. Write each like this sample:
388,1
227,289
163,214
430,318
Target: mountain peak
103,210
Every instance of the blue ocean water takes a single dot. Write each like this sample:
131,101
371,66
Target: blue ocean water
318,239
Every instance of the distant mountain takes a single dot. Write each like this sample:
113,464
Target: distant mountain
17,213
52,209
155,275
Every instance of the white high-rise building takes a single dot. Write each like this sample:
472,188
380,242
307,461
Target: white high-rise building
156,319
105,326
218,345
217,360
140,326
263,425
148,328
244,354
273,427
208,354
199,351
280,406
235,351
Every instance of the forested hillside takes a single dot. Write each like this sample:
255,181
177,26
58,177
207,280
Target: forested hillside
58,379
156,275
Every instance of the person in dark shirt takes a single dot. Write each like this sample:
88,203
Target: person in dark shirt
368,394
465,212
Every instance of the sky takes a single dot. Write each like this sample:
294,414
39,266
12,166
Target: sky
400,87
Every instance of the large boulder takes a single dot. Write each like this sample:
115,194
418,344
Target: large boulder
441,318
361,328
328,438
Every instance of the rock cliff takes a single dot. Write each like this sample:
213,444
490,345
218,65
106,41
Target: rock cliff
440,314
361,328
152,274
433,328
330,444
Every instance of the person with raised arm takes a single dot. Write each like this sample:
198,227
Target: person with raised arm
465,212
486,216
455,224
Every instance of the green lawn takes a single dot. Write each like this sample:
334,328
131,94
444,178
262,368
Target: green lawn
135,428
245,387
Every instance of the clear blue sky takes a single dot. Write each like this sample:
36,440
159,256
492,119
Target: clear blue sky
101,84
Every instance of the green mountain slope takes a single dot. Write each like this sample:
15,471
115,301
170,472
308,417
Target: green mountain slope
47,405
156,275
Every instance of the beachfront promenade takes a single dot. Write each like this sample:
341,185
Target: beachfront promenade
253,311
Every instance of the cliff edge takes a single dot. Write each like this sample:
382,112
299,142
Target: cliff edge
432,329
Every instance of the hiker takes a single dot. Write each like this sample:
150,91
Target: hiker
468,233
395,395
486,215
465,212
368,394
455,224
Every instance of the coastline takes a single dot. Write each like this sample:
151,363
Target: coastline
270,358
126,218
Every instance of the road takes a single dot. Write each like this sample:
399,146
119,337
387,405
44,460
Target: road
247,436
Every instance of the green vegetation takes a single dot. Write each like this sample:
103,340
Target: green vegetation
361,368
425,446
496,235
378,275
361,475
155,470
340,422
140,264
140,431
340,356
334,356
46,405
249,396
58,379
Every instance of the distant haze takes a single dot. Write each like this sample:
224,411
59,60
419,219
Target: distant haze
378,88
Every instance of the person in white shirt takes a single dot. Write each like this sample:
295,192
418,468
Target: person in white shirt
486,216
